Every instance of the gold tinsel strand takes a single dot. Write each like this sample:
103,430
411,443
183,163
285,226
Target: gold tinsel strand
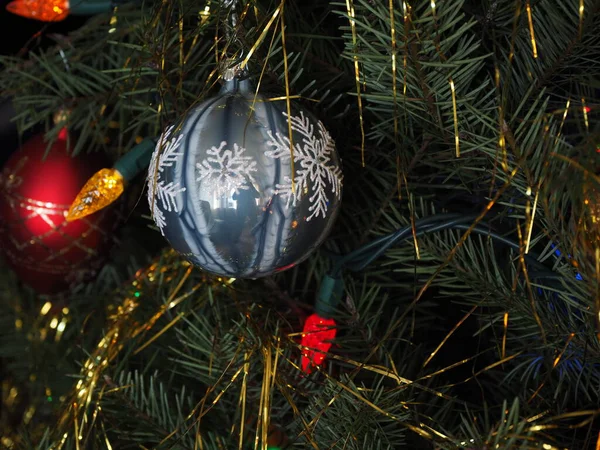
531,30
351,18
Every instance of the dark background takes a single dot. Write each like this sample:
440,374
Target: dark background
18,35
17,31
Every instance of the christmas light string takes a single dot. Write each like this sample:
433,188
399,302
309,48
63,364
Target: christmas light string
433,229
369,258
434,223
359,259
107,185
332,284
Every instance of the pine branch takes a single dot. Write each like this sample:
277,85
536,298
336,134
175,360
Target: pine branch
139,410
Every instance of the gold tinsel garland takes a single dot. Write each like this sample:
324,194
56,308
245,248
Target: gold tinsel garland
83,405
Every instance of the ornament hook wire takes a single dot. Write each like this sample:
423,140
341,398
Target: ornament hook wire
231,66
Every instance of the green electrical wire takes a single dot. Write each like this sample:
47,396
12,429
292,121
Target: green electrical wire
379,245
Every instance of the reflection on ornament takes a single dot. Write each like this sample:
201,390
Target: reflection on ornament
43,224
101,190
316,340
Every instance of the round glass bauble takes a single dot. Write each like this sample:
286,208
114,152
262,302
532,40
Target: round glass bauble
221,190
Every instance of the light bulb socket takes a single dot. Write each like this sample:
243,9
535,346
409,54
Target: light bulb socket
136,160
330,295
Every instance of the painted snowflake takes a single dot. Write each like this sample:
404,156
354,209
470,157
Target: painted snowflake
161,195
314,156
229,169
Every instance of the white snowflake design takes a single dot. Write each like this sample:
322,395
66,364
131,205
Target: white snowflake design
160,193
314,154
230,170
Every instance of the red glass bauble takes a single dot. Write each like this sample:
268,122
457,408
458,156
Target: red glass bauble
36,189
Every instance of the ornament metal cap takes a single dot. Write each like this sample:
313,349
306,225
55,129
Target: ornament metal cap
231,68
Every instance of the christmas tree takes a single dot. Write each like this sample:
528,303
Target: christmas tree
448,298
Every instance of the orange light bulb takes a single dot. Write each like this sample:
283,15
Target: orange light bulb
101,190
44,10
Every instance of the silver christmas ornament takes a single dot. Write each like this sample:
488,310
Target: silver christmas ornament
220,184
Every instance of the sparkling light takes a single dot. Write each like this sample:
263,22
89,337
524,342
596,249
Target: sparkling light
46,308
204,14
586,111
61,326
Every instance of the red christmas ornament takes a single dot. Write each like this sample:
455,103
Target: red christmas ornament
316,337
47,252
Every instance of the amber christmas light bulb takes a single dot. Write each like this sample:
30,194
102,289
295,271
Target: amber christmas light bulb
44,10
101,190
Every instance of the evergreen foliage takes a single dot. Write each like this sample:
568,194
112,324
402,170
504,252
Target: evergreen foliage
466,342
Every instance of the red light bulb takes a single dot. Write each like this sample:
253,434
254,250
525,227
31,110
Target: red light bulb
316,337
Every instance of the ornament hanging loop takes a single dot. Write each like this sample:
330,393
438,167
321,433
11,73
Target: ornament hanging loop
232,17
230,66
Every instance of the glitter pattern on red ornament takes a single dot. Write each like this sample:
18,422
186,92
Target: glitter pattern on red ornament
316,337
36,190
